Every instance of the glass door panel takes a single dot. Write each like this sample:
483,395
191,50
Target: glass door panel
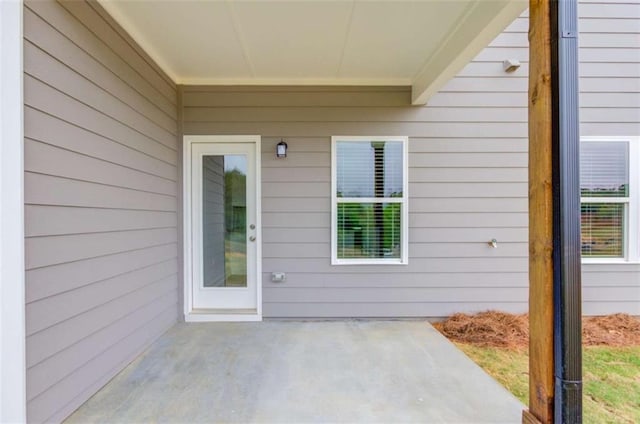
224,215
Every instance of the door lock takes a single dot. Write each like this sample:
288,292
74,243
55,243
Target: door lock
252,238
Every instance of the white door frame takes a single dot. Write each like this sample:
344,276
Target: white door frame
189,314
12,300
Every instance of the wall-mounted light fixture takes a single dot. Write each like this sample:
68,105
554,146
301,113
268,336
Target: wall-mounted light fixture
510,65
281,149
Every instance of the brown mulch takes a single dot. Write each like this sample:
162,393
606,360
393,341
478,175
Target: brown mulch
499,329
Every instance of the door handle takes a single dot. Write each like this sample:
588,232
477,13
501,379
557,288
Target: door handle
252,238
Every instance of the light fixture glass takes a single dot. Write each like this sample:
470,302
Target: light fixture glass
281,149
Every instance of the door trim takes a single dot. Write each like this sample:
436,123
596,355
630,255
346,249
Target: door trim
200,315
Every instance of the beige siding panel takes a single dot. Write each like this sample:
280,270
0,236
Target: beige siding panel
609,129
614,10
47,312
47,99
58,46
466,220
100,369
606,308
453,175
393,295
376,128
353,114
621,115
280,98
470,204
50,71
68,333
300,204
387,309
301,174
471,99
88,43
53,220
296,159
474,145
323,265
468,189
618,40
48,129
467,160
502,234
487,85
362,281
297,189
49,190
611,294
48,281
40,250
609,55
296,235
45,159
50,371
295,220
610,100
100,203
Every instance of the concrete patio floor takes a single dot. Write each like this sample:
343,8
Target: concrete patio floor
302,371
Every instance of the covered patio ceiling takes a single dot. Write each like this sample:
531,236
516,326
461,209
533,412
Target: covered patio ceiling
421,44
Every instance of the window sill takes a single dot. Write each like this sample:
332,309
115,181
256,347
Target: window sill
368,262
609,261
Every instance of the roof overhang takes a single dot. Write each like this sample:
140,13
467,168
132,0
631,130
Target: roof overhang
421,44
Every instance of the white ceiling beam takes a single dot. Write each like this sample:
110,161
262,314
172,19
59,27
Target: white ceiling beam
484,20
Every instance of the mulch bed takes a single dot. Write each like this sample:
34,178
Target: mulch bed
499,329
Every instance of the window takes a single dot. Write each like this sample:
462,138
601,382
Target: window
369,200
609,178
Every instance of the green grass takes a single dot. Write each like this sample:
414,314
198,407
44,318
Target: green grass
611,378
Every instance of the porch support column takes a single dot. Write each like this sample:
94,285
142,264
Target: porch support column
555,361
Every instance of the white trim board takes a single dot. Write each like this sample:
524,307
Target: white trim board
12,300
190,314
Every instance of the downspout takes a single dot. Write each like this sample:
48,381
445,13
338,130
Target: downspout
566,213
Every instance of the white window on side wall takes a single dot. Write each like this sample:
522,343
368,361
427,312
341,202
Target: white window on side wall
369,200
610,214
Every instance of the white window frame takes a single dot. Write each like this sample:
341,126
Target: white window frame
631,242
404,246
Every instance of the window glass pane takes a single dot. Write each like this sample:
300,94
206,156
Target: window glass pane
369,169
604,169
603,229
224,232
369,230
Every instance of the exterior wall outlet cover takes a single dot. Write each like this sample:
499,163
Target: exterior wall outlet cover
278,277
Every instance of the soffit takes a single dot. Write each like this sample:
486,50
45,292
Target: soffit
342,42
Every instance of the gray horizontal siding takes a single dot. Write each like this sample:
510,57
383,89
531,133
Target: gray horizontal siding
610,105
467,177
100,203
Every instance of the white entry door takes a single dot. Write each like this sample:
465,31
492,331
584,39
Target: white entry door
224,226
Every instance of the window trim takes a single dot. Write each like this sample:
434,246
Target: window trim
632,215
404,217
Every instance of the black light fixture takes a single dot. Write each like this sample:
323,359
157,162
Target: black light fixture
281,149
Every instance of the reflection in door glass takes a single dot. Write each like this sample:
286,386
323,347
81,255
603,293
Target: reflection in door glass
224,226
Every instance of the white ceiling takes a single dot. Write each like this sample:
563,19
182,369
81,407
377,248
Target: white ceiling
339,42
